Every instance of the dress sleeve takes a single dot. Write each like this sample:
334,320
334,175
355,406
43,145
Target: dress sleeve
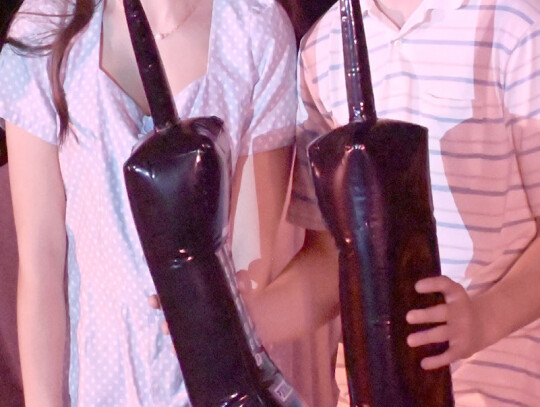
311,123
274,94
25,96
522,103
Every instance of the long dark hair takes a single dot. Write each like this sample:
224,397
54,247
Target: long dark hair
303,13
7,11
57,49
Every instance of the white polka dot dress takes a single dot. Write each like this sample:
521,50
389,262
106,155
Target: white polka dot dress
118,356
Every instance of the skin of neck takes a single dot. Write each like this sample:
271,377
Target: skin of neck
398,11
163,14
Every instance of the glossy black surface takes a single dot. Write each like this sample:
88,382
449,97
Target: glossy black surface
178,186
372,183
156,87
373,189
3,148
177,182
177,179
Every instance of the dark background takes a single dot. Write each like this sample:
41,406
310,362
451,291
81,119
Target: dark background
304,13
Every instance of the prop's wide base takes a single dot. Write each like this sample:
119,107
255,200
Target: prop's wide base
373,187
178,186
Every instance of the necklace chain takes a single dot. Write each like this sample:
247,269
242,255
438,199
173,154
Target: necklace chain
192,5
162,35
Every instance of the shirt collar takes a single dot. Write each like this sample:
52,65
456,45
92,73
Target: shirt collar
367,6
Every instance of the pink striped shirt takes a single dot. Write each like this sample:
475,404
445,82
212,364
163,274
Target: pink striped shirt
469,71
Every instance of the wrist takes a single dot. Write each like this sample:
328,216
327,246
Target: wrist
490,324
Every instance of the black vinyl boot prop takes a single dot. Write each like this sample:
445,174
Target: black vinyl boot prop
3,147
177,180
372,182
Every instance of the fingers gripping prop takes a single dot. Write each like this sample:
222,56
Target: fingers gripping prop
177,180
372,183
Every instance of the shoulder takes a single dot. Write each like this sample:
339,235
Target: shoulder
269,15
37,20
265,26
528,10
330,19
321,47
269,21
324,31
34,25
508,12
508,25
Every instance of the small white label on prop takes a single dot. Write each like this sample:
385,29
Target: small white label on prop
282,390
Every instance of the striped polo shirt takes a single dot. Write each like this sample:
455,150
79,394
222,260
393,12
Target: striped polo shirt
469,71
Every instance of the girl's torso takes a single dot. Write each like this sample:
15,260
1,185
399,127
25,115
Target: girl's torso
118,356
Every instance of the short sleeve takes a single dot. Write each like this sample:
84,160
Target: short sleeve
25,96
311,123
522,103
274,94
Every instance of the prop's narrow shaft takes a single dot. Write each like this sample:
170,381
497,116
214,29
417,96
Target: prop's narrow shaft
357,71
156,86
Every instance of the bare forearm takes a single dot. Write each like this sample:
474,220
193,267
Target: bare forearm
39,213
513,302
42,314
472,324
303,297
42,339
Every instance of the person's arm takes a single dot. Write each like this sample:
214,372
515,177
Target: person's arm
471,324
305,294
303,297
270,171
39,211
513,302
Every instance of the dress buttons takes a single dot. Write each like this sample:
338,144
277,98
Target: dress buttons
396,43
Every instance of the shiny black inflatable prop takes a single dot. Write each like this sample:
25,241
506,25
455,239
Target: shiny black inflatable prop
3,147
372,182
177,180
